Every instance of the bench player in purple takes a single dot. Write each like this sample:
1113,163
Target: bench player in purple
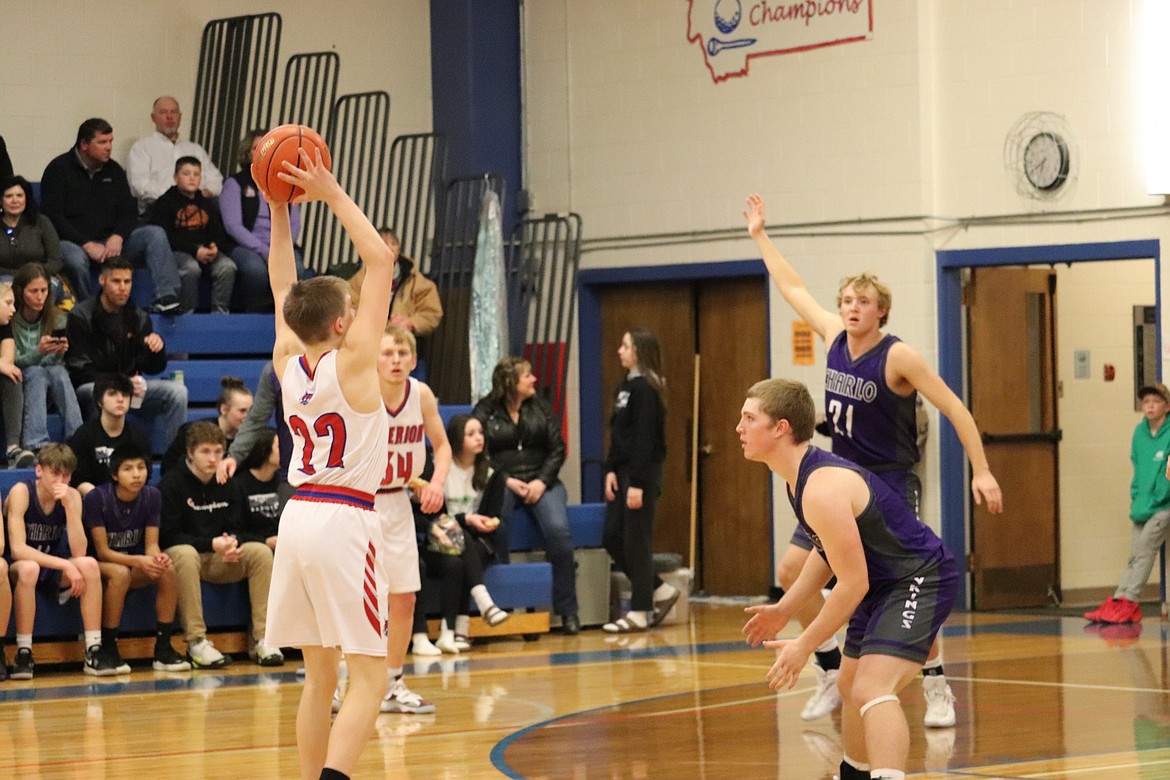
896,583
871,384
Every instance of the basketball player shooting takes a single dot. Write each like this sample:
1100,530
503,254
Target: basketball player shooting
328,593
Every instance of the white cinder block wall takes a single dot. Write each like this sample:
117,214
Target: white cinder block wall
625,126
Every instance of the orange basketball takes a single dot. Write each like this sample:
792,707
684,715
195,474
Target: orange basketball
280,144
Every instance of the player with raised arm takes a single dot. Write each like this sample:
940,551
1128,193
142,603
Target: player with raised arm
328,593
871,383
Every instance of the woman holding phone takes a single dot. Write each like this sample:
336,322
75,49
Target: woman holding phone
39,329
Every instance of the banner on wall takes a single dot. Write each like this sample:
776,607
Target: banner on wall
732,32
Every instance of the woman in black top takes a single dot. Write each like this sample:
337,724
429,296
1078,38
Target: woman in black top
633,480
524,439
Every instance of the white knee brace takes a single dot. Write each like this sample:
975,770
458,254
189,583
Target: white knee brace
874,702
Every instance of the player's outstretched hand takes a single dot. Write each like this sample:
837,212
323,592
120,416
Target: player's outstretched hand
985,488
312,177
790,660
754,215
766,621
431,500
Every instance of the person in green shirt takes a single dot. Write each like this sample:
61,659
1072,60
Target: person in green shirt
1149,508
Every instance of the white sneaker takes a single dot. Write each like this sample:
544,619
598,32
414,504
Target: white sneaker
826,698
204,655
940,702
266,656
401,699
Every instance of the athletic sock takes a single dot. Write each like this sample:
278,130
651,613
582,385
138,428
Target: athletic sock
393,675
887,774
850,771
162,636
333,774
664,591
463,625
483,599
109,637
24,640
92,638
933,668
830,659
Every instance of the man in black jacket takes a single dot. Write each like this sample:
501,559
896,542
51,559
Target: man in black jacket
203,531
87,196
110,335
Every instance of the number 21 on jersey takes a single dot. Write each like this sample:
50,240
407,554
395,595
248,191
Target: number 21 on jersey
835,413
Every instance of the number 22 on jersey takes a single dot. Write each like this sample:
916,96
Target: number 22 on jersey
330,426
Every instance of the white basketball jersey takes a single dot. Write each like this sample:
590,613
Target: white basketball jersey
407,449
332,444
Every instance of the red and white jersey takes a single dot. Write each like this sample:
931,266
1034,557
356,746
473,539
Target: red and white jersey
406,449
332,444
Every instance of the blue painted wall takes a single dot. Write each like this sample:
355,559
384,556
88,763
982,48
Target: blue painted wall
475,88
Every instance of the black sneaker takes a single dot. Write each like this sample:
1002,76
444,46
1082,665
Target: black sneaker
19,458
3,666
167,304
167,659
115,659
22,665
98,663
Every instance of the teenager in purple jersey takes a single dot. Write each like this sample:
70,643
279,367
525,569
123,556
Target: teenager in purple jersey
870,386
896,583
122,518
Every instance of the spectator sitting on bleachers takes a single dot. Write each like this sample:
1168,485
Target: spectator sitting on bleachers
195,231
255,426
249,225
414,302
11,385
153,157
86,195
474,497
235,401
262,487
99,436
39,328
47,543
524,439
122,518
203,533
110,335
31,235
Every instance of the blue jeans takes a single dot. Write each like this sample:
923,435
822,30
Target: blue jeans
146,244
165,402
253,290
41,382
553,518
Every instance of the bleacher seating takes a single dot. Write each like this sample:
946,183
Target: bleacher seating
206,347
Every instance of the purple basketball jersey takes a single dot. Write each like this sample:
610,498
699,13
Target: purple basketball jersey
872,425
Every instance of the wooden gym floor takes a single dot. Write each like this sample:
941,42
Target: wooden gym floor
1038,697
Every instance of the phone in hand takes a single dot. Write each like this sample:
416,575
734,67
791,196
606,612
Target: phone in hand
58,334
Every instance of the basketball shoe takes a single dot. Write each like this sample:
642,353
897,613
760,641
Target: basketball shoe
825,698
940,702
401,699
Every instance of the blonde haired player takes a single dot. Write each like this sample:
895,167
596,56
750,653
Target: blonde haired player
328,590
413,414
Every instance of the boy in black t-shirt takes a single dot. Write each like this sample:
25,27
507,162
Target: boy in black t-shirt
122,518
97,437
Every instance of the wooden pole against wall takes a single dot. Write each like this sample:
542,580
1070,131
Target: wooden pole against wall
694,467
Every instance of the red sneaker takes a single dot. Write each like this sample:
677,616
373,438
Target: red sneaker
1097,615
1123,611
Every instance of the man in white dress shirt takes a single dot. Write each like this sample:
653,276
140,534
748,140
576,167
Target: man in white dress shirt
152,159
